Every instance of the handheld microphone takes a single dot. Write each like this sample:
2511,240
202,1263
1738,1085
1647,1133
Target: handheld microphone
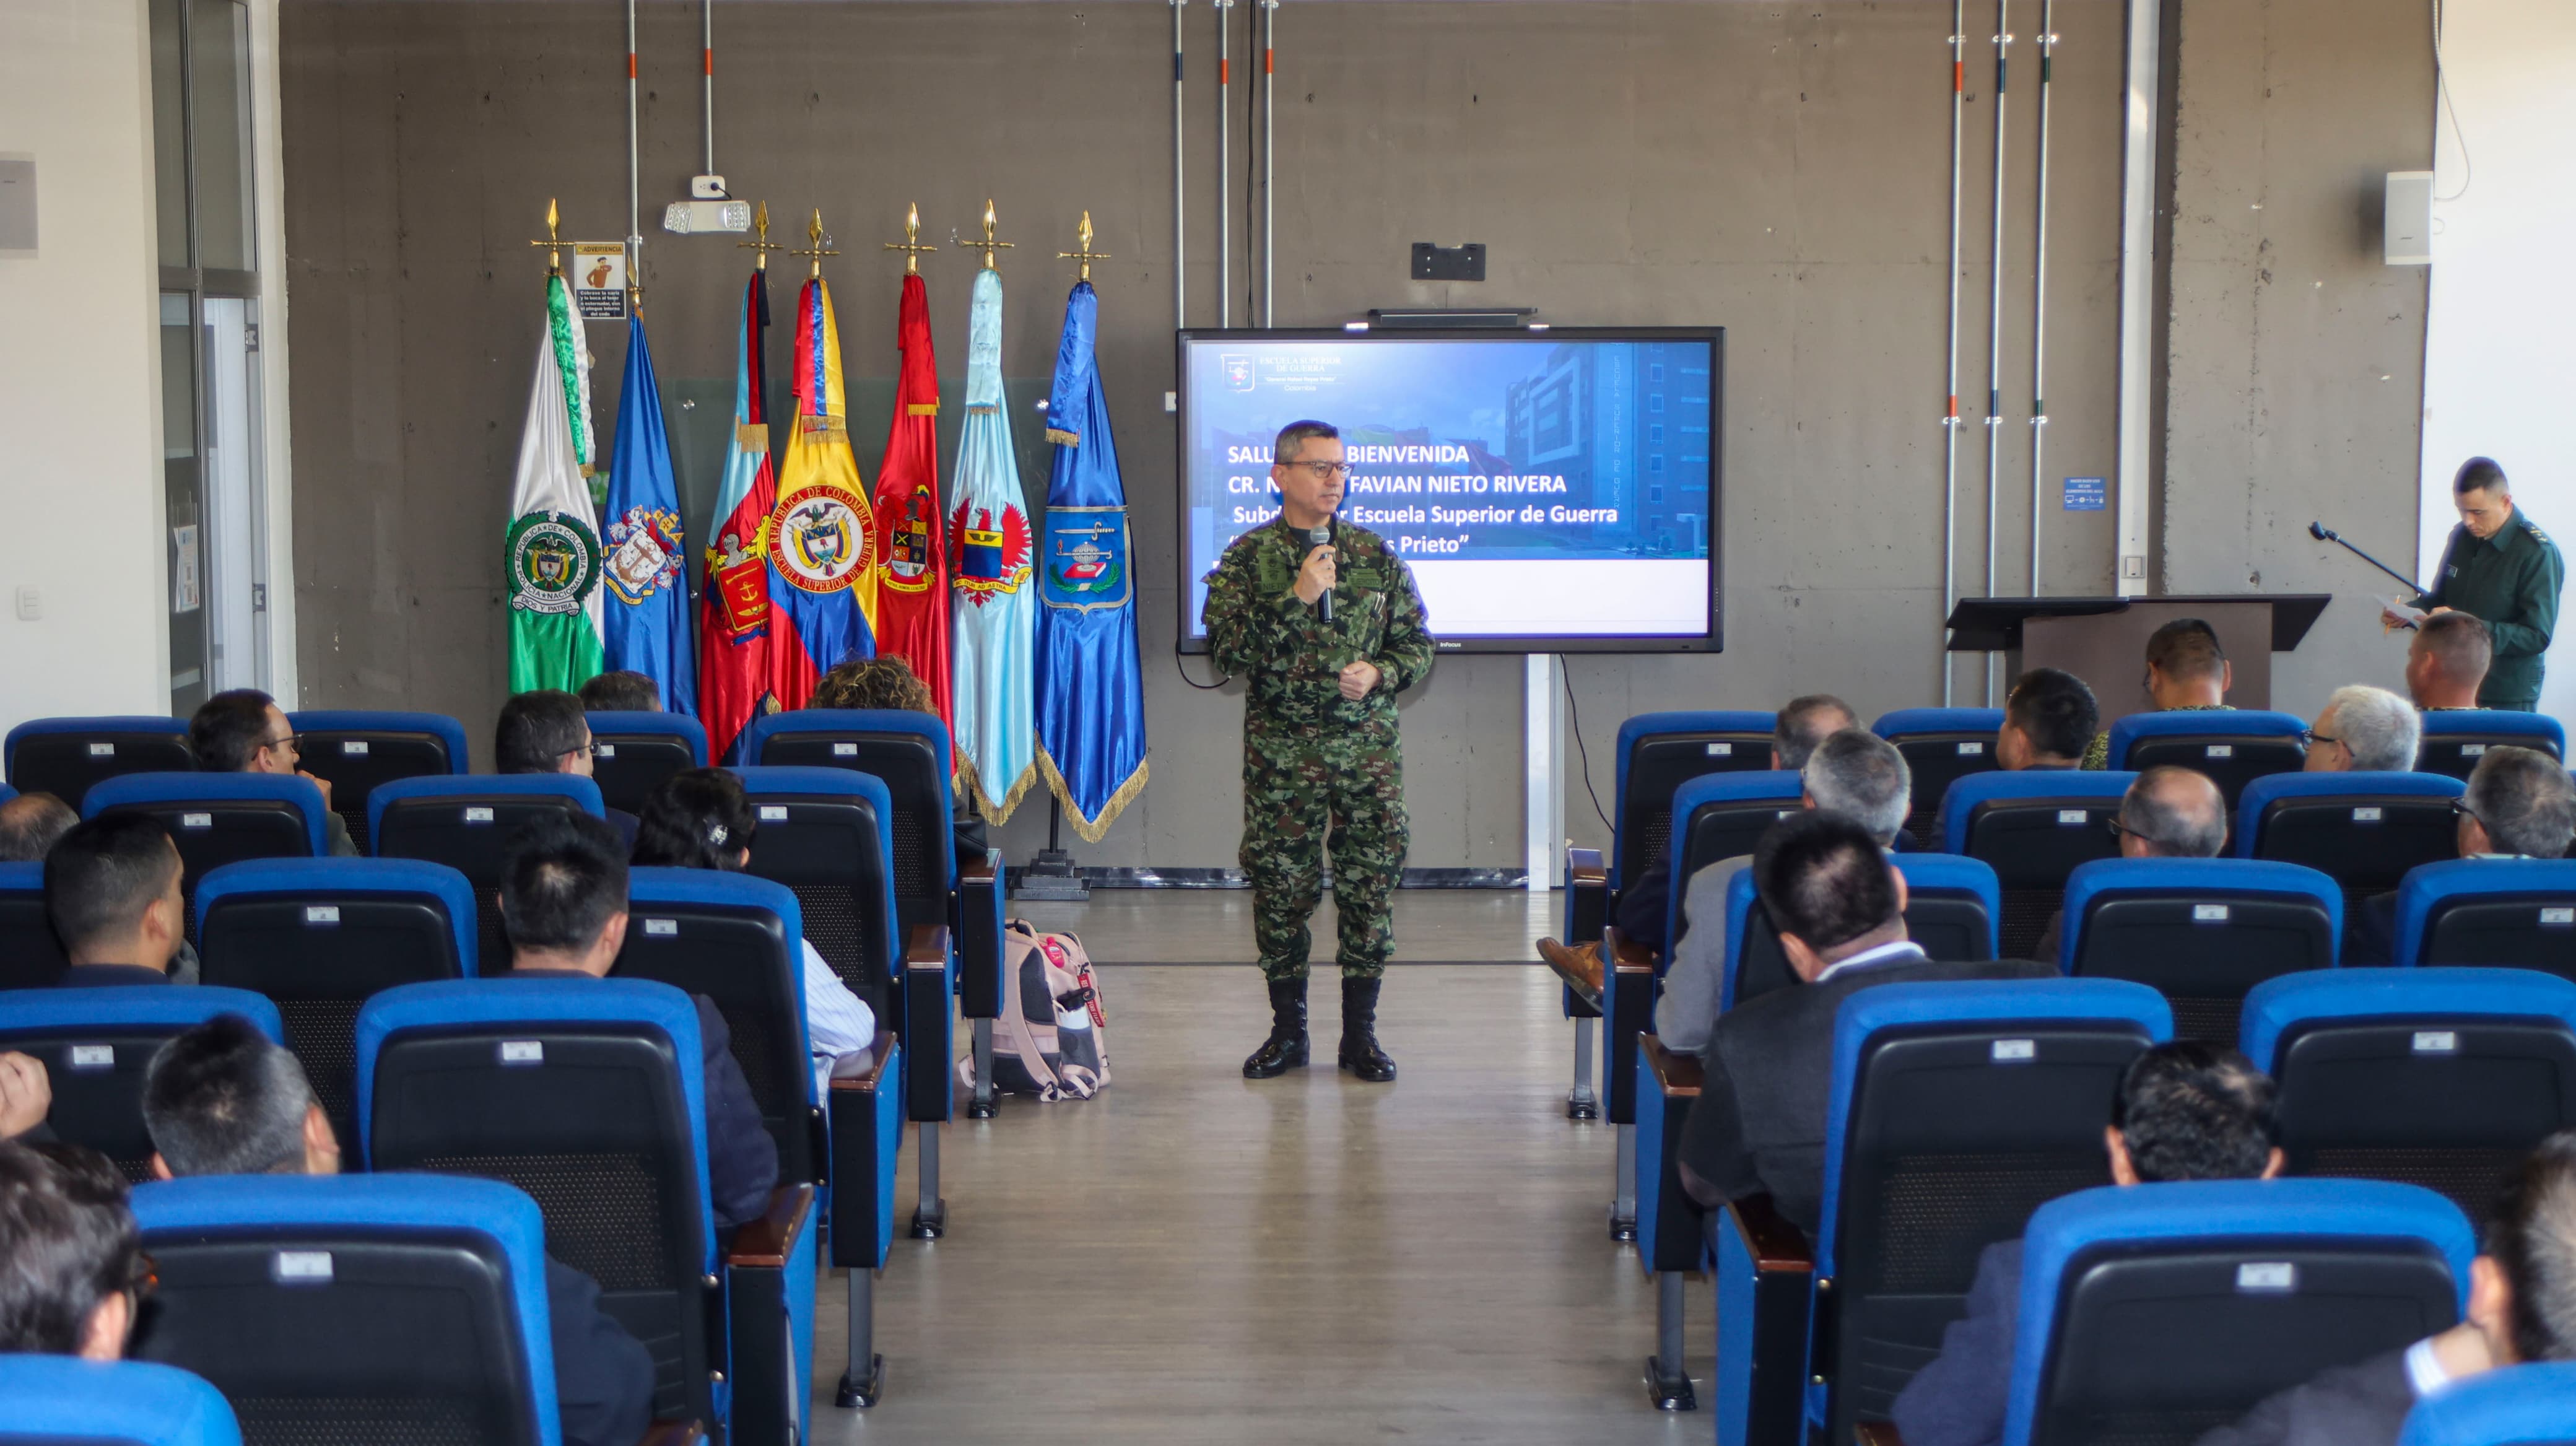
1323,537
2323,533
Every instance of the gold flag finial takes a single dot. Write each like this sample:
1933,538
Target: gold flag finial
822,246
761,248
911,245
988,245
1086,255
554,242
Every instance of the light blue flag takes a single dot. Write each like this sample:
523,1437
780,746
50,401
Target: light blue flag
647,626
1091,693
990,639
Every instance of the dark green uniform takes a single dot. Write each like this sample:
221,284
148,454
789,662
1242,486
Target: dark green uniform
1313,760
2511,581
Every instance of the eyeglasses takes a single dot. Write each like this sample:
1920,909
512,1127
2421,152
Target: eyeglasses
1324,471
2118,829
2461,807
586,750
2312,737
292,743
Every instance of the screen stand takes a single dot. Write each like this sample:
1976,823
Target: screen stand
1543,750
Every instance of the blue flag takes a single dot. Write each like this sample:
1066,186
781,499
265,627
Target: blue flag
647,626
1091,695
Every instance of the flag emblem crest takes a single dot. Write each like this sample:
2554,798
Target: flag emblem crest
644,552
820,538
908,547
1086,558
554,563
992,557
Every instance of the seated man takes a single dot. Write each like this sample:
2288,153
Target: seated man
2520,805
2522,1308
244,731
112,893
563,906
2169,813
220,1099
31,824
1759,1124
546,731
1856,774
2049,720
2447,661
2185,1111
623,691
72,1253
2187,672
2364,730
1795,731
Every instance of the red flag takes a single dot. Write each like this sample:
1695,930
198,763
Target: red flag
912,540
733,613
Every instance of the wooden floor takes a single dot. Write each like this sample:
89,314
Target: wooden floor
1194,1257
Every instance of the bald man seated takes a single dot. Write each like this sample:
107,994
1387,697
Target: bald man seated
31,824
2169,813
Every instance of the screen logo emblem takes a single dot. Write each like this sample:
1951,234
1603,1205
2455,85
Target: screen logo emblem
1238,372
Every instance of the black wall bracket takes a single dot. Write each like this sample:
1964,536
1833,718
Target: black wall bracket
1448,263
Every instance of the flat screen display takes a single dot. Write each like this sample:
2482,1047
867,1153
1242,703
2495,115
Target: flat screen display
1552,490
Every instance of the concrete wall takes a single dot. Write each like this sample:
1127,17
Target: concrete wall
80,367
1783,171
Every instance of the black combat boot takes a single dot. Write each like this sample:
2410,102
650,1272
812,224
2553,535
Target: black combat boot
1286,1048
1360,1054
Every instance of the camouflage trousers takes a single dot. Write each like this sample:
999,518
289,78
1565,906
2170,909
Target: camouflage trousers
1298,787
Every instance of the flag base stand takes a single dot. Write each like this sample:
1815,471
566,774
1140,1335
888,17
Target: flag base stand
1052,875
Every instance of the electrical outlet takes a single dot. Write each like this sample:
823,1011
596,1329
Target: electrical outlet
1171,401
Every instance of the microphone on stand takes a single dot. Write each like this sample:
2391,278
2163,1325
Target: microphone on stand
1323,537
2323,533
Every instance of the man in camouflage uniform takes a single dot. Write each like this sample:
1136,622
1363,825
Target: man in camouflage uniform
1320,751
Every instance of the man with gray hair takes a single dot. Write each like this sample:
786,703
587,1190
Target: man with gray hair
2169,813
1854,773
2520,805
31,824
220,1099
2364,730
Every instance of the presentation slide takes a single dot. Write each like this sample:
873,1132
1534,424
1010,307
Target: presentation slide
1555,490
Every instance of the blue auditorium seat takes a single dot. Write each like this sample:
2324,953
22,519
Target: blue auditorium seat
2200,931
2363,830
1941,746
320,936
95,1043
66,1401
1951,905
639,751
2032,827
2516,912
354,750
2232,746
465,821
589,1095
2279,1279
1957,1109
30,956
64,756
2456,738
2530,1405
2441,1078
221,818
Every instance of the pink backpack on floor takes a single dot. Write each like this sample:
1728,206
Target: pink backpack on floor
1052,1038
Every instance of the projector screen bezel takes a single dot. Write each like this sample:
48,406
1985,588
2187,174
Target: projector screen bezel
1714,641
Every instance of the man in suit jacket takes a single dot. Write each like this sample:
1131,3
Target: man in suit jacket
220,1099
1759,1124
2522,1307
2185,1111
2520,805
112,895
563,905
546,730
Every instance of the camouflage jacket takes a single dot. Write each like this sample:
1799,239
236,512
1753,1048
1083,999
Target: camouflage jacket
1292,660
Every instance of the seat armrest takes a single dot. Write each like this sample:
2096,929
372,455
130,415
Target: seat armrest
1632,957
979,935
768,1240
860,1069
1679,1076
1879,1433
929,1025
1774,1245
672,1433
865,1106
1587,895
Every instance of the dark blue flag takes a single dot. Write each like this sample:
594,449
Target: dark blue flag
646,626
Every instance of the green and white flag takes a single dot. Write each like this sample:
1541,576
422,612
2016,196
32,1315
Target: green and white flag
552,547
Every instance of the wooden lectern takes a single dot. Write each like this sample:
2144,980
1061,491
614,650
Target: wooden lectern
2103,640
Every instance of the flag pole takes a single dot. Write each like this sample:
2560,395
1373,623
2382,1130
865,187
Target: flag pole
1950,423
2039,294
1995,326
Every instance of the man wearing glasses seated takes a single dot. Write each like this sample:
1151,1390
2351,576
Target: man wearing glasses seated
2169,813
546,730
244,731
2520,805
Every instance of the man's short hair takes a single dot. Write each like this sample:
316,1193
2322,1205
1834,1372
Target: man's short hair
1859,774
1806,722
2523,799
228,728
2186,648
1823,878
31,824
564,877
2055,710
623,691
2195,1111
1293,437
536,730
2181,821
2532,1237
2461,645
67,1242
2380,728
2479,474
221,1099
874,683
102,876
